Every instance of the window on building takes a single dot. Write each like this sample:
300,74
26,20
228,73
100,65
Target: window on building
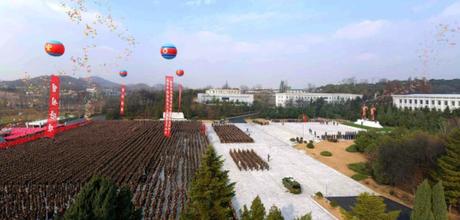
415,101
405,101
410,101
445,103
432,102
439,102
453,103
400,101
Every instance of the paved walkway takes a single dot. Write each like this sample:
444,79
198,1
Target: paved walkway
284,161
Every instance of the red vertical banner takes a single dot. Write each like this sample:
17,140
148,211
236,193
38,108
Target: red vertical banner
180,98
304,118
122,100
203,129
168,105
53,107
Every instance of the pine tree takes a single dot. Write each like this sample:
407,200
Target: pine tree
422,205
439,202
245,215
101,199
305,217
274,214
257,209
449,165
211,190
369,207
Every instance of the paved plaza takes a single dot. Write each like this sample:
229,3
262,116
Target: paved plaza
285,161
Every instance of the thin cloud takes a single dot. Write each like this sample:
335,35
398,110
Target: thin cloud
451,10
200,2
363,29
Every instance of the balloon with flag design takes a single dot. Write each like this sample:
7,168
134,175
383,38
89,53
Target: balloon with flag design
123,73
168,51
54,48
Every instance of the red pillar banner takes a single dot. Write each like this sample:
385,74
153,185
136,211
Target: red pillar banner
53,107
122,100
180,97
304,118
168,105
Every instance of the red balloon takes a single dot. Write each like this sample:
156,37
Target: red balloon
180,72
54,48
123,73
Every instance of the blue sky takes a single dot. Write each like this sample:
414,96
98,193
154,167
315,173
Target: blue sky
247,42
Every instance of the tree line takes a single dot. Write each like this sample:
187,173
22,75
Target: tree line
405,157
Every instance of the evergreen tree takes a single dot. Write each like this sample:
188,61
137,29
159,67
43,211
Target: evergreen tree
245,215
369,207
305,217
422,205
449,165
211,190
439,202
274,214
257,209
101,199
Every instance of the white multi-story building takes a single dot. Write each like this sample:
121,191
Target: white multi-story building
281,99
225,95
431,101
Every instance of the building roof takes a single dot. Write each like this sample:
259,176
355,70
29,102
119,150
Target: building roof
318,94
430,95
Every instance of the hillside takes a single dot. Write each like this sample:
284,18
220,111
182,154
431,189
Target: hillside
71,83
385,87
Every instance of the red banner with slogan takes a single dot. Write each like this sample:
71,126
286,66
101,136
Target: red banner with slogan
305,118
168,105
180,97
122,100
53,107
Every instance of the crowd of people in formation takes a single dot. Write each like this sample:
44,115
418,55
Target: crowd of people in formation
346,136
248,160
39,201
349,135
39,180
229,133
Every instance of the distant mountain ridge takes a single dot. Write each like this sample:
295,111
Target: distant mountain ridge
73,83
388,87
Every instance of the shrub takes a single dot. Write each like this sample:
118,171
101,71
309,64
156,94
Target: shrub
319,194
361,168
368,206
334,204
326,153
359,177
392,192
352,148
310,145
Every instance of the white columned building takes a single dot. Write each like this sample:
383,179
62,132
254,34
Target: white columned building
281,99
225,95
431,101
